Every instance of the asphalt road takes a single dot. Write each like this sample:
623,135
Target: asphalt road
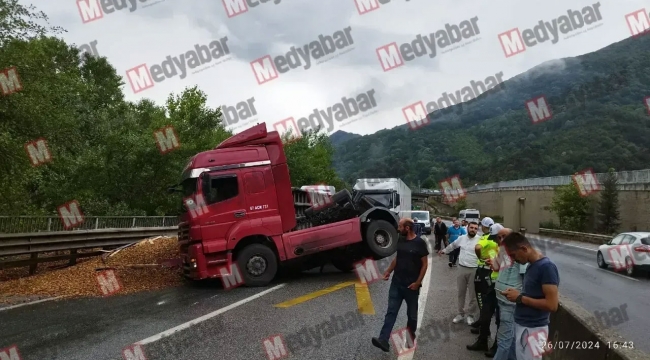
233,324
601,291
206,322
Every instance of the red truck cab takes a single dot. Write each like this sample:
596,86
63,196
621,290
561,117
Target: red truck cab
241,213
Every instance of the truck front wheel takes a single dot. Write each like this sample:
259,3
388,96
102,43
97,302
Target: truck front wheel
257,264
381,237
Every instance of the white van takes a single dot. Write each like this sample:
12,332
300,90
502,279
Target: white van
470,215
422,217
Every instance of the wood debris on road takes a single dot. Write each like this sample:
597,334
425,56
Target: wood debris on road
81,279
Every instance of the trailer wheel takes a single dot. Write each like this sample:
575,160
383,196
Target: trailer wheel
257,264
381,237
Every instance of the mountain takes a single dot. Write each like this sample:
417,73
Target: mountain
341,136
599,120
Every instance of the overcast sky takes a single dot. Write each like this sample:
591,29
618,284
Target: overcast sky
161,28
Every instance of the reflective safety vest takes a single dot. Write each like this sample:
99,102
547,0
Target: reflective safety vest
489,250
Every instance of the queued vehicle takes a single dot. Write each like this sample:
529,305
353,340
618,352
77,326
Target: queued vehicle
422,217
469,215
629,251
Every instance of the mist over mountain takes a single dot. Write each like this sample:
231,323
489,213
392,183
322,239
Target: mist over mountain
599,120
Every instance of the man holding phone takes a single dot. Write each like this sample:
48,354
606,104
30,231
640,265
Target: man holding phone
539,295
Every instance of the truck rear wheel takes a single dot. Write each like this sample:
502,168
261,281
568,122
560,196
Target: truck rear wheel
381,237
257,264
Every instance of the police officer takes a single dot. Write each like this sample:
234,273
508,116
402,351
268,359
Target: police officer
486,248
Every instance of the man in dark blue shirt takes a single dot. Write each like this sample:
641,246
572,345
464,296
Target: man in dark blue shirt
538,297
410,265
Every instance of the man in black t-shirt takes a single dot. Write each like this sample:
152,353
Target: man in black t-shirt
410,264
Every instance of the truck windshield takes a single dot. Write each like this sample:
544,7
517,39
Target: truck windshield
384,199
420,216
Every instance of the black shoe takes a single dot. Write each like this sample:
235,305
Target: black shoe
479,345
450,264
475,331
492,351
383,345
476,324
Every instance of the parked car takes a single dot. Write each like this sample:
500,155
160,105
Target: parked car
629,251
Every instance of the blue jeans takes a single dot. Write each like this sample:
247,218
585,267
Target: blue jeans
396,294
506,333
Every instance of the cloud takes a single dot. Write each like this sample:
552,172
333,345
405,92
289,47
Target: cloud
157,29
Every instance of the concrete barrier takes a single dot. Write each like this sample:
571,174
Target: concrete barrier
572,324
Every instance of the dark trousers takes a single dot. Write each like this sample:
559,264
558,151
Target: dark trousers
486,297
396,294
440,242
453,256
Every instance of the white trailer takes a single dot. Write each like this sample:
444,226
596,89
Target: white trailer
392,192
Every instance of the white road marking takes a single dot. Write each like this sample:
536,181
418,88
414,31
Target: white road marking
422,301
205,317
611,272
29,303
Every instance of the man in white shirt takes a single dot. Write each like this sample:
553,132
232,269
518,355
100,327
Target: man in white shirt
467,262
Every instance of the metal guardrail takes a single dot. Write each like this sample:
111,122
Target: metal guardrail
25,224
592,238
624,178
72,241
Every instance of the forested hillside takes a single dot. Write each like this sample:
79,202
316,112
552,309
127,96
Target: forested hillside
104,153
599,121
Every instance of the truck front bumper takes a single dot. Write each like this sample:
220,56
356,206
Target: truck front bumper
198,266
194,263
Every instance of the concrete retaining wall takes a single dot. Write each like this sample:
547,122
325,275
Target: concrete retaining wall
572,324
634,204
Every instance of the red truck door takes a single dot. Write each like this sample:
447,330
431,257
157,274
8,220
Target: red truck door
261,201
226,202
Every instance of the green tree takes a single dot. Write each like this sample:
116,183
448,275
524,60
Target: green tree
104,151
571,208
21,22
608,207
310,160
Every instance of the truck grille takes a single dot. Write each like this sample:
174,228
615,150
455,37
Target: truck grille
183,232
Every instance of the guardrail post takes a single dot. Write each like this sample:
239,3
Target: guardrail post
133,222
163,221
96,223
49,224
73,257
34,264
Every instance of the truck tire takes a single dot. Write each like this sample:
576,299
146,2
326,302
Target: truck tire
340,198
381,238
258,265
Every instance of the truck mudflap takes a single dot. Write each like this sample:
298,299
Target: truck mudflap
321,238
